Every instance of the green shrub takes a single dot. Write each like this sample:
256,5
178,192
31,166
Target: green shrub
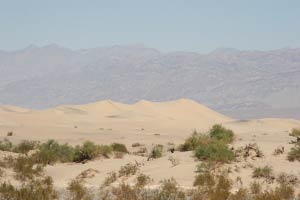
6,145
87,151
218,132
296,133
216,151
119,147
25,146
194,141
294,153
105,150
51,152
156,152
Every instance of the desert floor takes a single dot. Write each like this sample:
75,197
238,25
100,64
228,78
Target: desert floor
148,123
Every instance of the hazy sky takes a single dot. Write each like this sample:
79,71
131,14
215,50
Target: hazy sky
192,25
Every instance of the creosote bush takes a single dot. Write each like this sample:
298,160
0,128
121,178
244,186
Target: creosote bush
220,133
211,147
215,150
119,147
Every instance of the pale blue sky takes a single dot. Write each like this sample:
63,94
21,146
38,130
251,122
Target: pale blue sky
189,25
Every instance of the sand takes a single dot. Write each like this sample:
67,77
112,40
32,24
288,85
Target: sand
148,123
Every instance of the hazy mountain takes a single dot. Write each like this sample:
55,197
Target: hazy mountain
243,84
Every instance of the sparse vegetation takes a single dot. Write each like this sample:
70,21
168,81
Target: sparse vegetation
77,191
119,147
128,169
296,134
39,189
264,172
156,152
142,180
112,177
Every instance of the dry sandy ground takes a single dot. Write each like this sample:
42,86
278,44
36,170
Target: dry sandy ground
148,123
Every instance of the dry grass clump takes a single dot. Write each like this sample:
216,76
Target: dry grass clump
156,152
38,189
278,151
142,180
129,169
251,150
287,179
112,177
265,172
77,191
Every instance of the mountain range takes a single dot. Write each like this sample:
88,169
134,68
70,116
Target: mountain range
241,84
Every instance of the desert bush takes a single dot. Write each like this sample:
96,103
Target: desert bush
142,180
40,189
169,189
249,150
119,147
77,191
25,146
112,177
128,169
26,168
263,172
214,150
105,150
6,145
87,151
156,152
192,142
51,152
124,192
294,154
218,132
296,134
287,179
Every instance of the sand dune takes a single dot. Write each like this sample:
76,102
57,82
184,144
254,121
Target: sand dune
145,122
